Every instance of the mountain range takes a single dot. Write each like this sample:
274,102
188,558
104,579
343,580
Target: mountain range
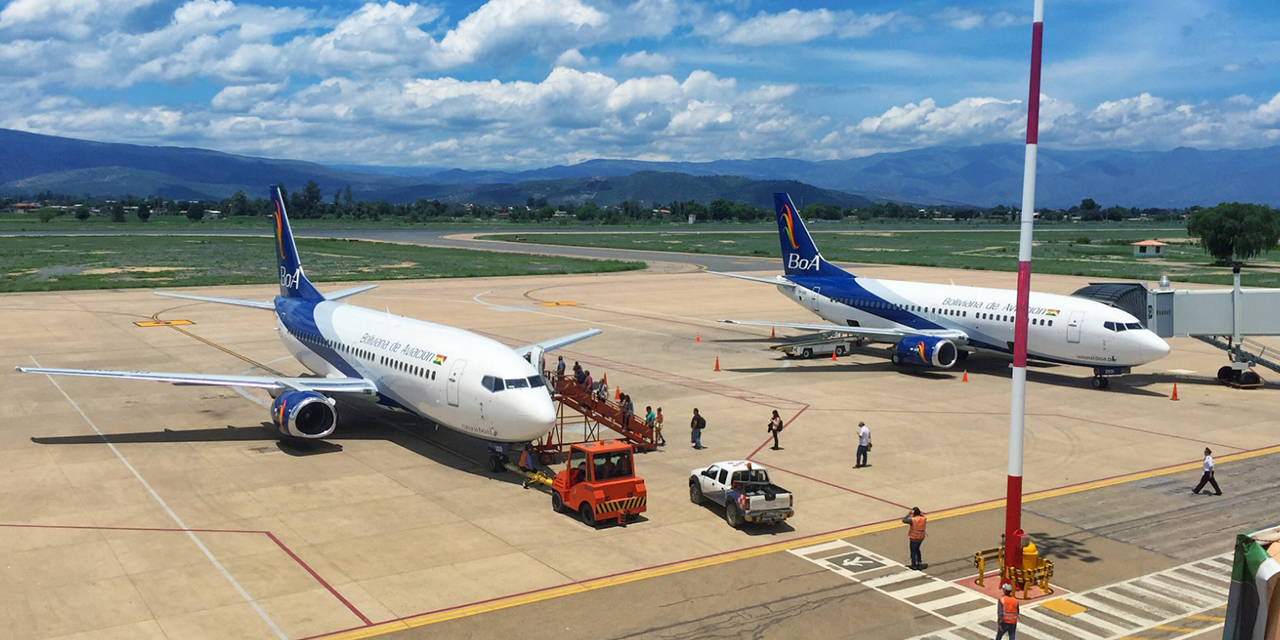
981,175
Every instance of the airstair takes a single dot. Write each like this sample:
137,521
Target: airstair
580,415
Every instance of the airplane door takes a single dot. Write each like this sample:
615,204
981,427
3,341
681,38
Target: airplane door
1073,326
455,374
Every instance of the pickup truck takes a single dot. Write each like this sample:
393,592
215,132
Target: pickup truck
744,489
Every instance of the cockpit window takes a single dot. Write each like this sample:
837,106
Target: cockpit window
491,383
536,381
1133,326
517,383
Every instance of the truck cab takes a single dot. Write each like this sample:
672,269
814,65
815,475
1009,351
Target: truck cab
599,483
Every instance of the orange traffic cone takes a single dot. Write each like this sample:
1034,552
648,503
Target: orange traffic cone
1175,392
697,338
966,376
771,333
717,364
617,393
833,356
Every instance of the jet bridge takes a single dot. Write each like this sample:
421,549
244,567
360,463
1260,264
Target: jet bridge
1220,317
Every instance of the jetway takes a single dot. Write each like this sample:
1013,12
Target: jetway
1221,317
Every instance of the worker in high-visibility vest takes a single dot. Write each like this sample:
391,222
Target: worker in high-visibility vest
1007,614
915,535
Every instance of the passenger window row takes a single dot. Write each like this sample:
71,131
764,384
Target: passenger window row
412,369
1044,322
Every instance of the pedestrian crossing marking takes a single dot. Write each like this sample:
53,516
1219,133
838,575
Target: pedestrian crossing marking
1065,607
1173,604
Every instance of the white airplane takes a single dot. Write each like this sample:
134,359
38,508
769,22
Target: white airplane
452,377
935,325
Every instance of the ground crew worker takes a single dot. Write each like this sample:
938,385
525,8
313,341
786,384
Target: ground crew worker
560,368
528,462
915,535
1007,614
1208,474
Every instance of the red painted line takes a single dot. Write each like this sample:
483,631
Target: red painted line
1158,433
317,577
282,545
784,427
832,484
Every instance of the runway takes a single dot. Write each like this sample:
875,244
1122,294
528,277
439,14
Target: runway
186,519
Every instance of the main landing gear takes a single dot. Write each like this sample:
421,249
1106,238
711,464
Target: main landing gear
1102,375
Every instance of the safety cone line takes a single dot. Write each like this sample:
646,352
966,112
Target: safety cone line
697,338
717,364
966,376
1175,392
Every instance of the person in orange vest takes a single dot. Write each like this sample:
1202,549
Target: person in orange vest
528,462
915,535
1007,614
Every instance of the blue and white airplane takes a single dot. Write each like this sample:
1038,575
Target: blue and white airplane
452,377
935,325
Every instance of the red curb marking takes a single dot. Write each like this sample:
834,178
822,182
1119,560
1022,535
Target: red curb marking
270,535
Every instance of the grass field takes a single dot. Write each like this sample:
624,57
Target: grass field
62,263
1093,253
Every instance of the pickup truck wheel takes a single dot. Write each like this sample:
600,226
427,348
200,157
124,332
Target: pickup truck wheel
588,515
806,353
733,516
557,503
695,493
839,350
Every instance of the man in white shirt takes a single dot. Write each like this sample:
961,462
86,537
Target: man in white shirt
1208,474
864,445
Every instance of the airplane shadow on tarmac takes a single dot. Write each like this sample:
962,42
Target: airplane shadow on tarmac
1037,372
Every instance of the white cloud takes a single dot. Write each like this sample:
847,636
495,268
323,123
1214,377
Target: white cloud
75,19
645,60
793,26
574,59
501,27
244,97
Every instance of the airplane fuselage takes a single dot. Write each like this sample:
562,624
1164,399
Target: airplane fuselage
1062,329
450,376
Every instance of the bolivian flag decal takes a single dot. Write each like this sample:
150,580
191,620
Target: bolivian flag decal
439,359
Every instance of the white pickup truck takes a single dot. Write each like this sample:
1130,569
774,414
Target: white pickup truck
744,489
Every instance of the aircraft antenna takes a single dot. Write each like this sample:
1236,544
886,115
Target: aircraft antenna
1018,400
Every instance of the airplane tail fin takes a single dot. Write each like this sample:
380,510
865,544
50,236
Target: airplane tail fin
293,282
800,256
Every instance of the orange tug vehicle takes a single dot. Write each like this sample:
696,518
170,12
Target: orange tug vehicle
600,483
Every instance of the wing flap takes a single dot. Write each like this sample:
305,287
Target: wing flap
871,333
271,383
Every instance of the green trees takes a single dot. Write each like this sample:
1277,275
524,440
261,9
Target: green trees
1235,231
144,211
82,213
195,211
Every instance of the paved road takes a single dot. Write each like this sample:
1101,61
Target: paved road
1139,558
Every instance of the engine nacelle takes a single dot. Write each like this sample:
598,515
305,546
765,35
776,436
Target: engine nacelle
304,414
923,351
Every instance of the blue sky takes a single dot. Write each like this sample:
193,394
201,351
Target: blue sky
512,84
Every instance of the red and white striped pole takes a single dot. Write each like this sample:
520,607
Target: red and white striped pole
1018,402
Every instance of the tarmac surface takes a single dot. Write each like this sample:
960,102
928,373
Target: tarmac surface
143,510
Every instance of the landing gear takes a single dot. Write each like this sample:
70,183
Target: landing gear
1102,375
1100,382
498,458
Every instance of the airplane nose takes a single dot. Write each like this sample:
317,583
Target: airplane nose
536,417
1154,348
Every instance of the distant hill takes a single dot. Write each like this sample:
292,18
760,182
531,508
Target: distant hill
983,175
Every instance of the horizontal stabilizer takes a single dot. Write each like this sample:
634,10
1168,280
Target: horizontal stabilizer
562,341
773,281
271,383
344,293
232,301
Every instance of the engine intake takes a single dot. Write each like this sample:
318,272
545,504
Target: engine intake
923,351
304,414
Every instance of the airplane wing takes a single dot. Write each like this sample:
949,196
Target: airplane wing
343,293
773,281
873,334
562,341
233,301
272,383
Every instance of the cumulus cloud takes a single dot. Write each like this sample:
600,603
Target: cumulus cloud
574,59
792,26
646,60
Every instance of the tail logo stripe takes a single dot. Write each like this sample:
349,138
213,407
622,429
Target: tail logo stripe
791,233
280,231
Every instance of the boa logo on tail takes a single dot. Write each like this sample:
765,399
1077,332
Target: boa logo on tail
791,233
279,230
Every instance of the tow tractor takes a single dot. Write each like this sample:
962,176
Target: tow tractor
599,482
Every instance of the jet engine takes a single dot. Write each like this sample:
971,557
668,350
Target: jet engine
923,351
304,414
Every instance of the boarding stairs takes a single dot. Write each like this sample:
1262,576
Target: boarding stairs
1250,350
582,411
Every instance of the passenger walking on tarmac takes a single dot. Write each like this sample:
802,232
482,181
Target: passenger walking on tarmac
560,368
657,425
1007,614
915,535
864,445
649,417
1208,474
775,427
695,427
